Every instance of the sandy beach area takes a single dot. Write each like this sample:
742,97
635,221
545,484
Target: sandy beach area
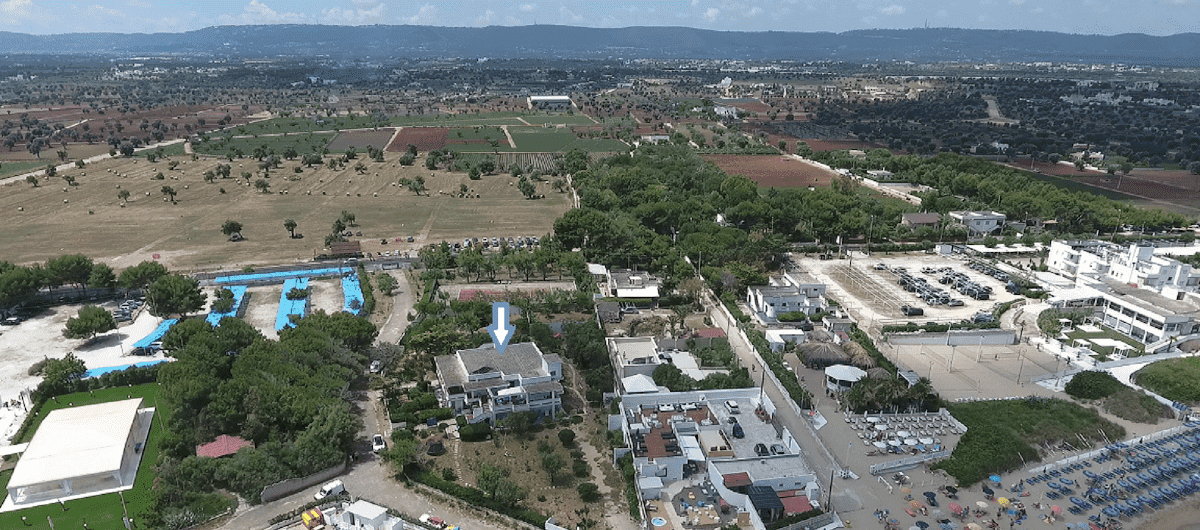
1184,516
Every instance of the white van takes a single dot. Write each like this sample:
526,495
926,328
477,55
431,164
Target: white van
732,407
333,488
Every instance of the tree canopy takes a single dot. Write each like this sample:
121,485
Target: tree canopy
90,321
174,294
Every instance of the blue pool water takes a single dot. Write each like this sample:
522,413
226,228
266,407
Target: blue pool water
261,276
239,291
157,334
352,291
290,307
97,372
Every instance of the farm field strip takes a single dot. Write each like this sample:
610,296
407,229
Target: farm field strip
773,171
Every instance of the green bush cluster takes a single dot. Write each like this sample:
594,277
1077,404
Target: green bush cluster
1174,379
1092,384
368,291
477,497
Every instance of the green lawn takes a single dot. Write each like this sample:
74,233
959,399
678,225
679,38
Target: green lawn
8,169
559,120
1108,333
303,143
170,150
102,512
1174,379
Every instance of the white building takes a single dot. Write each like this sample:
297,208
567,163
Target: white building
80,452
1126,264
1142,314
789,293
486,385
979,224
550,102
632,284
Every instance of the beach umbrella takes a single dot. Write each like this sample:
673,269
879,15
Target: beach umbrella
1066,481
1089,474
1002,501
1111,512
981,504
995,478
906,489
951,489
974,526
988,491
1077,501
922,525
1056,510
954,507
915,504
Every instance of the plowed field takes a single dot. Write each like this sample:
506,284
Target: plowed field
772,171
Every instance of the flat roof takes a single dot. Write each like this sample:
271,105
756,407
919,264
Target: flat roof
629,348
77,442
1150,300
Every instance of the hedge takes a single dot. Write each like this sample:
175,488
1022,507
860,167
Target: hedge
476,497
368,291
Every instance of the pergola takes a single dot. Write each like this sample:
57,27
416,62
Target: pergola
79,450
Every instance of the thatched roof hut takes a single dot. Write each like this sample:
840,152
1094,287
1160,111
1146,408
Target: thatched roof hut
878,373
818,355
859,356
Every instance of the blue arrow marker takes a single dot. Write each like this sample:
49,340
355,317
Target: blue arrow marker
500,330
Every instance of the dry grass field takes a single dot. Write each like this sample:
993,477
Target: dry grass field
43,222
773,171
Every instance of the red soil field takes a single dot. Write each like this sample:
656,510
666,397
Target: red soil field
1178,177
772,171
1147,188
425,138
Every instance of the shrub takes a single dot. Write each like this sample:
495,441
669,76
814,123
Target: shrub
475,432
297,294
1093,384
567,437
588,492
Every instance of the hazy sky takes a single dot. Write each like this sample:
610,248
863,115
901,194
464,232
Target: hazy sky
1156,17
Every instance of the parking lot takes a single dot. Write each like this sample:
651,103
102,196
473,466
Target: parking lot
877,288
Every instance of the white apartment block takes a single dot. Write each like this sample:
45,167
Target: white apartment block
979,223
786,294
486,385
1132,264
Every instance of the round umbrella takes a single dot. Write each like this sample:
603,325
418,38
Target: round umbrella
1003,501
1077,501
988,491
954,507
995,478
1111,512
1066,481
906,489
951,489
914,504
981,504
929,494
974,526
922,525
1056,510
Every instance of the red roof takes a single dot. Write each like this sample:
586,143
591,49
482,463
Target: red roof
794,504
223,445
710,333
734,480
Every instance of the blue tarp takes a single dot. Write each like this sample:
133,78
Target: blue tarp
352,291
97,372
290,307
239,291
157,334
261,276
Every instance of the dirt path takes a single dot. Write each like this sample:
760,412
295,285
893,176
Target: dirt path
403,301
508,135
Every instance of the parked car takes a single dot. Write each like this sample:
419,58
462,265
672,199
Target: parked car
11,321
738,432
777,449
377,443
761,450
333,488
911,311
376,366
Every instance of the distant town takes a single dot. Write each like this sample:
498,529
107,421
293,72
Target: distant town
284,292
